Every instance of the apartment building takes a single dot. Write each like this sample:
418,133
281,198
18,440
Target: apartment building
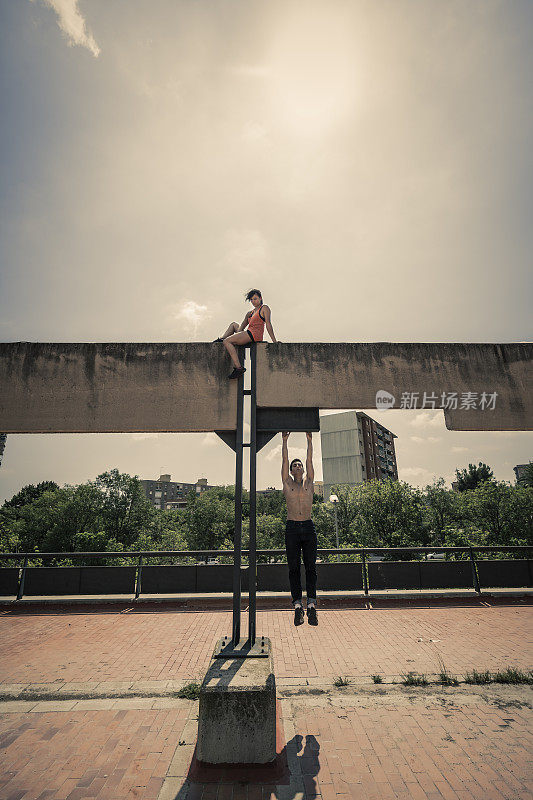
166,494
355,449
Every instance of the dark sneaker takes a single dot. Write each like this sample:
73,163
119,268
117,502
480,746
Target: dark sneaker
237,373
219,339
299,617
311,616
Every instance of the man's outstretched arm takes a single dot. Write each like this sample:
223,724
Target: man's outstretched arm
284,457
309,462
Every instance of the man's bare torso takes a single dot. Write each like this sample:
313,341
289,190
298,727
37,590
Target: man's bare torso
299,498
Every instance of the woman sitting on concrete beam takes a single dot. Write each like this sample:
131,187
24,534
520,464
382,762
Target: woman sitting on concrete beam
255,321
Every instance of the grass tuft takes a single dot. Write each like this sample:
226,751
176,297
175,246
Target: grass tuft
340,681
414,679
377,678
478,677
447,680
512,675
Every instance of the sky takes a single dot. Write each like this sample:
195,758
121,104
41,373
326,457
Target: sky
366,163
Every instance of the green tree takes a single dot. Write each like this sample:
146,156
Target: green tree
30,493
391,514
124,511
211,519
470,478
441,510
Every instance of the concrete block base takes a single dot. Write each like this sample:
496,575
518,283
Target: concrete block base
237,717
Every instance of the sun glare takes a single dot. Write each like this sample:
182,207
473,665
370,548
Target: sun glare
313,74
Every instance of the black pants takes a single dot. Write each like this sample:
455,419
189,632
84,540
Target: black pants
300,537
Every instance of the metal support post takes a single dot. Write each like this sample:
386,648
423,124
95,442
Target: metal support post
252,559
22,578
139,577
237,542
363,567
474,572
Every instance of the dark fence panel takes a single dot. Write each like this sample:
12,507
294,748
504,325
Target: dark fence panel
274,578
344,576
505,574
170,579
446,575
53,580
216,578
394,575
107,580
9,581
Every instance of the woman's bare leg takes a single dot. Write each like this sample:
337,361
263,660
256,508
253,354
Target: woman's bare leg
229,343
232,328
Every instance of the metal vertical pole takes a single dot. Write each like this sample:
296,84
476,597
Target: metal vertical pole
474,572
139,577
363,567
22,578
252,559
236,632
336,528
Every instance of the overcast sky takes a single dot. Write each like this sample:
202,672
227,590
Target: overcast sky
366,163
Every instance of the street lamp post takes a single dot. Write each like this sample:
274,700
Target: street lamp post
334,499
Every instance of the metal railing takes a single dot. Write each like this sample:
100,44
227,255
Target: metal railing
360,553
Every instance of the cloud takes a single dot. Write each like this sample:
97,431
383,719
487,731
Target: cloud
459,449
209,440
72,24
428,419
192,314
414,472
245,251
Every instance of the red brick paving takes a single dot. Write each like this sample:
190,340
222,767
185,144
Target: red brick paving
87,754
395,749
166,645
417,745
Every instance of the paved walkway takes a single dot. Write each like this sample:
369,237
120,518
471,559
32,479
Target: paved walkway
398,744
166,645
364,741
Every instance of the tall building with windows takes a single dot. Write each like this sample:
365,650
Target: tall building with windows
166,494
355,449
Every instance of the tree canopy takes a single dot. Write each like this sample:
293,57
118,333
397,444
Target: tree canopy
112,513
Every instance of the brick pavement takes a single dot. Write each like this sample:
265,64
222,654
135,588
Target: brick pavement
380,743
377,744
170,645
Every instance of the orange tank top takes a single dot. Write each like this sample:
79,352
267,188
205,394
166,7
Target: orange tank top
256,325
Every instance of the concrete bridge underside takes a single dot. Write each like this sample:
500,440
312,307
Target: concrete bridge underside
129,387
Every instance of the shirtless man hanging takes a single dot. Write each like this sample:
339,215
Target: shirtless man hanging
300,534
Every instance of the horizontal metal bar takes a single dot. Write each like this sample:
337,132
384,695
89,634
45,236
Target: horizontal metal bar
324,550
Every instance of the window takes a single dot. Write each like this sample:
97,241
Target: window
158,494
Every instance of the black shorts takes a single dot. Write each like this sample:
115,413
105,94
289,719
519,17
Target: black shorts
250,335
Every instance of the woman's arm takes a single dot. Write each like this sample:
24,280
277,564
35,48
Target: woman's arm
268,323
244,323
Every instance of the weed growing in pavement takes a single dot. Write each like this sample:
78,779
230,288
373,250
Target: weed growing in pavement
478,677
444,676
512,675
414,679
191,691
341,681
447,680
377,678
